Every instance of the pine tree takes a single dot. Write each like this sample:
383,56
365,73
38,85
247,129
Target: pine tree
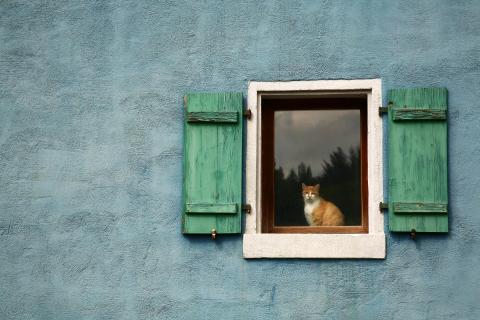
339,183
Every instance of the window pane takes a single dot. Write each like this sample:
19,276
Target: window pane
317,147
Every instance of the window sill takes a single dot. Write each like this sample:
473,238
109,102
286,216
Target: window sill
344,246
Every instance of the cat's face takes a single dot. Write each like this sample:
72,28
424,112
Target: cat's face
310,193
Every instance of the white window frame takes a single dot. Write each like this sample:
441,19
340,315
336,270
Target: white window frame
369,245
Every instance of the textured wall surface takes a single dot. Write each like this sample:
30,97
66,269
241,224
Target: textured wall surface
91,148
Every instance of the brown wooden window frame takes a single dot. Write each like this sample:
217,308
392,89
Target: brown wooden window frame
270,104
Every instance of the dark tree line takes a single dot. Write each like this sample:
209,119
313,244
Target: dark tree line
339,183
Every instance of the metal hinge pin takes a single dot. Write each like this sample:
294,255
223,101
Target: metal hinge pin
384,110
382,206
413,234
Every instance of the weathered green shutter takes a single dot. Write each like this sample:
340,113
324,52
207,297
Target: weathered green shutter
417,153
213,163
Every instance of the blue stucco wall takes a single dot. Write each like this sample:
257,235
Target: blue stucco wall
91,150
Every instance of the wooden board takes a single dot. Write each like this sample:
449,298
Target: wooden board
417,152
418,114
219,117
213,163
220,208
403,207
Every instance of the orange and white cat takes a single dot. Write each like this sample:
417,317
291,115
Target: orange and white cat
318,211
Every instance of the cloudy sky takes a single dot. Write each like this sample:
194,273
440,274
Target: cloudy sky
310,136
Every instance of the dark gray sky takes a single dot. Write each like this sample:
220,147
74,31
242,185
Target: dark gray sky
310,136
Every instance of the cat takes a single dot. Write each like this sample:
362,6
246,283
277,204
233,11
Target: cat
318,211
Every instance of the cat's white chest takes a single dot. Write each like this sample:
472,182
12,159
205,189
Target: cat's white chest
308,209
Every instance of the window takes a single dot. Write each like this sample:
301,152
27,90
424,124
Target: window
319,143
326,135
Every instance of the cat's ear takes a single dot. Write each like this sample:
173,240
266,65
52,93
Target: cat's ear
317,187
303,185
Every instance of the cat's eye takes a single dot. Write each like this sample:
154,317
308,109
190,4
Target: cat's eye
314,141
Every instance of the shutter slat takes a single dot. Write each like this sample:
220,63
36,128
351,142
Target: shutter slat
418,114
221,208
420,207
213,163
216,117
417,153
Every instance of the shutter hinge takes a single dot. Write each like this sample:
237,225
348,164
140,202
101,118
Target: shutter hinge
413,234
247,208
382,110
382,206
247,114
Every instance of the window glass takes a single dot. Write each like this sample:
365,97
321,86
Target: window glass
317,178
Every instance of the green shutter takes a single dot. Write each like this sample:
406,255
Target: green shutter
417,153
212,186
